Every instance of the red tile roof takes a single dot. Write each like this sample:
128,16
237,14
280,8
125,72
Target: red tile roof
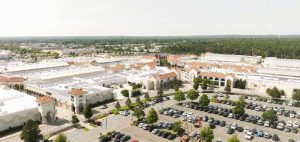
76,92
167,75
4,78
45,100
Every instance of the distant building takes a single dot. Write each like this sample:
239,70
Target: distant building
5,54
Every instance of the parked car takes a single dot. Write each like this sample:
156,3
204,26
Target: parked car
230,131
103,107
248,136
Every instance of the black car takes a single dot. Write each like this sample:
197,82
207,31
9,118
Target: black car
240,129
222,124
242,118
212,125
171,136
217,122
230,131
275,138
225,114
166,134
125,138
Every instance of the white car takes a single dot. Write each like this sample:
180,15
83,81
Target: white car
290,103
296,124
190,113
280,126
249,136
124,113
289,124
183,119
233,126
269,101
292,115
246,130
230,115
141,125
267,124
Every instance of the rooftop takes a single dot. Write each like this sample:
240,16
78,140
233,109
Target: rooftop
14,101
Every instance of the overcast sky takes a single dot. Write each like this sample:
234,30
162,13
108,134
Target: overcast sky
148,17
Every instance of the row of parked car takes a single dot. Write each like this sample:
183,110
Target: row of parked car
279,110
159,129
155,101
280,125
114,137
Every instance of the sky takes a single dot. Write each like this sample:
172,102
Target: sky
148,17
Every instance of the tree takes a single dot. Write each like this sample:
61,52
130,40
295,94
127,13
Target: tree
241,84
233,138
60,138
117,106
125,93
228,86
197,81
135,93
160,92
30,132
270,115
88,112
204,101
275,93
296,95
75,120
179,96
192,94
147,97
207,134
239,107
138,101
128,102
205,83
152,116
176,127
138,112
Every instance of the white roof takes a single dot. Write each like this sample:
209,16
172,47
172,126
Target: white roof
14,101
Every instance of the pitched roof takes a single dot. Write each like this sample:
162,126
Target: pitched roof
151,64
215,74
5,78
44,100
76,92
167,75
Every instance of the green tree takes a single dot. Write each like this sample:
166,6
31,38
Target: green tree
192,94
135,93
75,120
160,92
125,93
30,132
117,106
205,83
60,138
270,115
239,107
176,127
138,101
207,134
228,86
296,95
233,138
152,116
274,93
179,96
147,97
138,112
87,112
128,102
204,101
